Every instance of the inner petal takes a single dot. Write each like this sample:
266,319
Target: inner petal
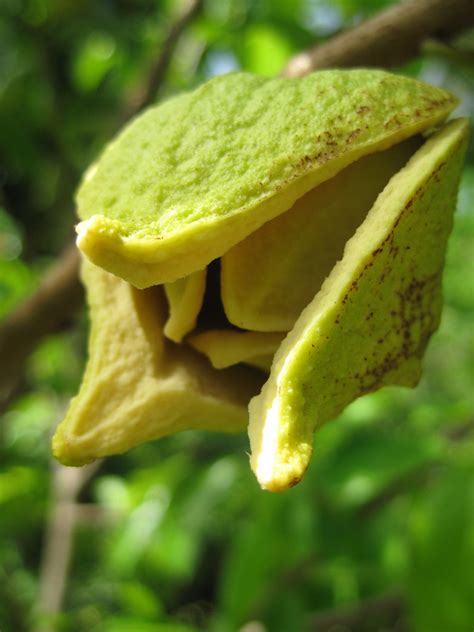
268,278
225,347
185,297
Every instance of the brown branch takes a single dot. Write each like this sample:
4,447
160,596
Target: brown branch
58,297
44,313
392,37
156,76
60,293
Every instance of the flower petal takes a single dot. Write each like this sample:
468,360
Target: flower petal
371,321
138,386
185,297
190,178
226,347
270,277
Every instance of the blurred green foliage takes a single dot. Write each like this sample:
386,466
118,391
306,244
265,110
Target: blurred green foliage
175,535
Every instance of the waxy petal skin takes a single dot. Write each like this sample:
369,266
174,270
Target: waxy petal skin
185,297
271,243
259,291
189,179
371,321
138,386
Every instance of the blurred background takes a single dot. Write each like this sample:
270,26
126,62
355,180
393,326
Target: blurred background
176,535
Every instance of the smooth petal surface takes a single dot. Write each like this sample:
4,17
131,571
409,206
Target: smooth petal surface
185,297
270,277
190,178
225,348
138,386
370,323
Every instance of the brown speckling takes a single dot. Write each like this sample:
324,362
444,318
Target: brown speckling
393,122
324,156
412,322
353,135
435,173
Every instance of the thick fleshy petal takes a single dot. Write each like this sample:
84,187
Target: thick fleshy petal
370,323
270,277
190,178
138,386
226,347
185,297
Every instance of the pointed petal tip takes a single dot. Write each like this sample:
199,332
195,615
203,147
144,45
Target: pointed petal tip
64,452
282,475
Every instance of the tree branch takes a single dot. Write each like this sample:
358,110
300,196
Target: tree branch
60,293
58,297
156,76
389,39
43,313
392,37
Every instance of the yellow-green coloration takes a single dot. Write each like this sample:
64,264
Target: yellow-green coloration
138,386
371,321
189,179
280,179
185,297
226,348
259,291
263,362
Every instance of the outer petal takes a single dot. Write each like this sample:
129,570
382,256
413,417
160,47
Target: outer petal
192,177
371,321
139,386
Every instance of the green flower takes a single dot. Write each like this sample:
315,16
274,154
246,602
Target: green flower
324,205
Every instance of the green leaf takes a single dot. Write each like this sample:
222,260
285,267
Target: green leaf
93,61
265,50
